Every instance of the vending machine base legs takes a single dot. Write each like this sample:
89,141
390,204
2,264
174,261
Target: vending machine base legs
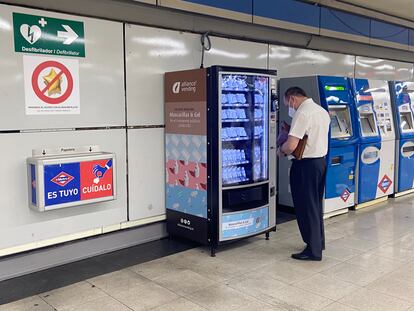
213,251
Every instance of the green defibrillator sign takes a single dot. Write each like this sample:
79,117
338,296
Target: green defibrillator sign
47,35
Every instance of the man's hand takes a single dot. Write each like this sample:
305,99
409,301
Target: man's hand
290,145
280,153
282,138
285,127
284,134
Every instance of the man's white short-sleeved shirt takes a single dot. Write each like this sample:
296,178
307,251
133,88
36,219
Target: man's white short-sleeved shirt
312,120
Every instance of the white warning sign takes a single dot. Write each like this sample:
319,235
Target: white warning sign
51,85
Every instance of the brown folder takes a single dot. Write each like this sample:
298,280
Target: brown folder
298,152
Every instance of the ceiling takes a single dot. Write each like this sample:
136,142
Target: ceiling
399,8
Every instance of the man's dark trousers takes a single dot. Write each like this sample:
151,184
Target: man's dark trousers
307,183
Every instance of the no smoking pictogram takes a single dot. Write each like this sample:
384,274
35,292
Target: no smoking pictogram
62,71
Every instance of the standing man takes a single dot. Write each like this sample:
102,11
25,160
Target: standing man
307,176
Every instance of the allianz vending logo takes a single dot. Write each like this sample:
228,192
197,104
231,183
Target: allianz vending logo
176,87
184,87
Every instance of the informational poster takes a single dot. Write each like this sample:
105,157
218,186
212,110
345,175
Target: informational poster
186,153
186,138
51,85
185,108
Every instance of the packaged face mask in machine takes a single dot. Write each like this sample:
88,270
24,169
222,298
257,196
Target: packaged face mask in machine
223,98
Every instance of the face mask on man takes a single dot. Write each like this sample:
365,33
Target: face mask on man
292,111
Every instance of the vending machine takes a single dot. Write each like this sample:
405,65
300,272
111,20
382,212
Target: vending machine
375,166
220,137
402,95
333,94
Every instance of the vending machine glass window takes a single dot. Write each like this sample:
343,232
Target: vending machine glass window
244,128
341,127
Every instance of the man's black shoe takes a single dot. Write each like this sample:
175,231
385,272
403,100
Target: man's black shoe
304,256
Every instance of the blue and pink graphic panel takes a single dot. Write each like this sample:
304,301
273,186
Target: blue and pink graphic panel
186,174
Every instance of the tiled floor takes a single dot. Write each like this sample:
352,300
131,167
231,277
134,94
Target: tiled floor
368,265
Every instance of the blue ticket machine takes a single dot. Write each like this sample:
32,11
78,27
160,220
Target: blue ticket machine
375,165
334,94
402,95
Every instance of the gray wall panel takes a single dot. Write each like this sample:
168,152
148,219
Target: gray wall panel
146,173
101,76
293,62
381,69
150,53
230,52
19,224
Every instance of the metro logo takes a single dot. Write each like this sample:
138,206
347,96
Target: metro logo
385,184
345,195
62,179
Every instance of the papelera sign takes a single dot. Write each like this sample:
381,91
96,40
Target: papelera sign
46,35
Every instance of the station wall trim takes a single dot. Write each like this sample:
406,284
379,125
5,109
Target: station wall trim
144,13
80,235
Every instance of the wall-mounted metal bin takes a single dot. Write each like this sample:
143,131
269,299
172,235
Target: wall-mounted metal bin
70,177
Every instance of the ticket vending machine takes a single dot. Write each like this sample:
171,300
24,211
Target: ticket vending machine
333,94
375,165
402,95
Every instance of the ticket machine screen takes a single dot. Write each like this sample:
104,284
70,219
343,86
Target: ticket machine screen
406,121
335,124
368,125
340,122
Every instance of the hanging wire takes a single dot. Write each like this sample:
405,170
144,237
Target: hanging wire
204,37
